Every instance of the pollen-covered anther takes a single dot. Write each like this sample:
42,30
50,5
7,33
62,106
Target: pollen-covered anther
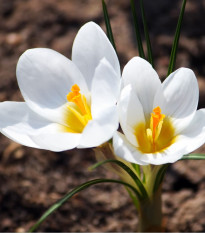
156,122
76,97
81,110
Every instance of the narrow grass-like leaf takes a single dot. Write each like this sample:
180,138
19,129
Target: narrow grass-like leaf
73,192
159,177
134,198
135,178
137,168
149,48
107,23
193,157
137,30
176,40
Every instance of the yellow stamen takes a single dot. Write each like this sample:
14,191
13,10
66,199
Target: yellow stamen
78,113
158,136
150,141
75,97
156,122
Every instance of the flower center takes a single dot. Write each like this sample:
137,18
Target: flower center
77,113
157,135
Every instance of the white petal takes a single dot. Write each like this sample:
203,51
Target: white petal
45,78
125,150
89,47
26,127
56,141
105,88
195,132
17,121
179,97
101,129
131,113
144,80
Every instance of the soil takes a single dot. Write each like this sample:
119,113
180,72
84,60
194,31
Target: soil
32,180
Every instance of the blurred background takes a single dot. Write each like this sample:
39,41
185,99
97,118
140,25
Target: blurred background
31,180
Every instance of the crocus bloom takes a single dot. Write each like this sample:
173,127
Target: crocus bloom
160,121
67,103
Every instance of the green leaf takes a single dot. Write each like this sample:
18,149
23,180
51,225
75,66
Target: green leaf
137,168
134,198
176,40
193,157
73,192
137,31
135,178
159,177
149,48
108,26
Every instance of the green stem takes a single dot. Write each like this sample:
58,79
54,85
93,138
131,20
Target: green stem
150,214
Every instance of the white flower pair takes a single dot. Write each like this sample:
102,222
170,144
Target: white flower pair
72,104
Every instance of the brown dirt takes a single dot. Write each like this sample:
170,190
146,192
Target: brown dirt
31,180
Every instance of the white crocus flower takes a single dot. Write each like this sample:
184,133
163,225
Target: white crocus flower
67,103
160,121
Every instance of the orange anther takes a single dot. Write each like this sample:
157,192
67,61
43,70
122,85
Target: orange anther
156,117
76,97
75,88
